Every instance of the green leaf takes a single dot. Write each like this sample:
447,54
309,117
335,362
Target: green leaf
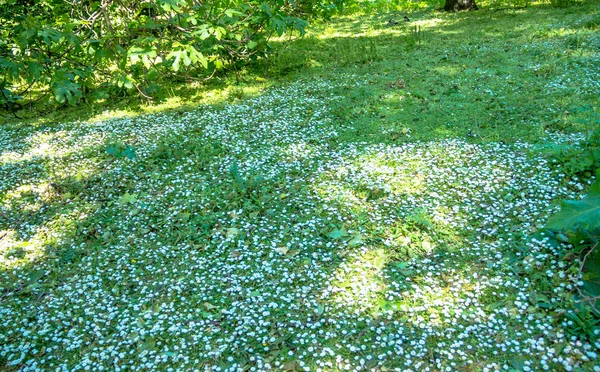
518,362
267,9
203,60
232,232
209,306
177,55
320,309
35,70
338,233
49,35
149,345
125,81
186,58
389,305
427,246
113,149
345,284
127,198
401,265
283,250
65,90
120,151
169,5
128,152
231,12
356,240
578,213
36,275
379,262
196,56
219,32
278,26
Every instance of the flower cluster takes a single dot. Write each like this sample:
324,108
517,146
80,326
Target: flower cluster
251,237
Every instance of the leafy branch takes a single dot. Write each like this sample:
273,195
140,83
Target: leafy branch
101,48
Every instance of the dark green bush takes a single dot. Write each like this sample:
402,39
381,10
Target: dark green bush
582,160
86,50
579,220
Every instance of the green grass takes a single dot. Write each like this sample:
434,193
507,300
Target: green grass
372,198
465,74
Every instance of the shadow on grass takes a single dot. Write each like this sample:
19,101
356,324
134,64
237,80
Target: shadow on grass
399,90
123,280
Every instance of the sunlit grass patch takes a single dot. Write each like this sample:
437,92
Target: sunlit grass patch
358,282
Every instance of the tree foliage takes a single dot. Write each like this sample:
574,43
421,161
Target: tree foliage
92,49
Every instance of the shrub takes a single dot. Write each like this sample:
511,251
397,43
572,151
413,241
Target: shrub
97,49
580,221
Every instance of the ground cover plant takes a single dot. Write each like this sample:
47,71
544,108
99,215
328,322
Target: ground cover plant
385,204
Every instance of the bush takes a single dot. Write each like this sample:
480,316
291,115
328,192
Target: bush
579,220
584,159
97,49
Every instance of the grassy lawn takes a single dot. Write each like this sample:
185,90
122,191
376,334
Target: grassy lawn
376,202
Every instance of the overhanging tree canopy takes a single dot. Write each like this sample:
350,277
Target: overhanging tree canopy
76,49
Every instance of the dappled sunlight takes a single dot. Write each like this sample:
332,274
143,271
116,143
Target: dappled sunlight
40,148
270,232
382,180
396,177
438,298
188,96
448,70
375,220
368,33
297,152
358,282
15,253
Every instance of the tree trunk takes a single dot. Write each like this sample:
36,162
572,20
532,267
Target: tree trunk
457,5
